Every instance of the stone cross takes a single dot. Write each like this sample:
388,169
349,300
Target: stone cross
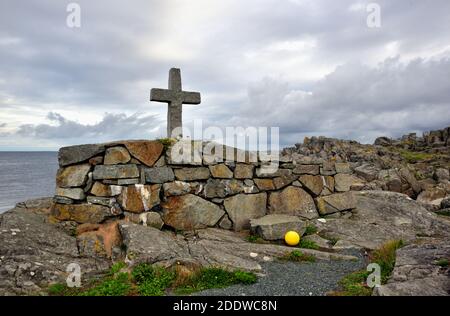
175,97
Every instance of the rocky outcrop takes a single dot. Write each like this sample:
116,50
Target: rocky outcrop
380,216
421,269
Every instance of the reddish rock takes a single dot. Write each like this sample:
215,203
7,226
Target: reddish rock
148,152
139,198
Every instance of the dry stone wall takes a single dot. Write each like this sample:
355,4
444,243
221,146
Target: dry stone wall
143,182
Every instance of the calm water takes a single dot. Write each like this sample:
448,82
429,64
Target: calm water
26,175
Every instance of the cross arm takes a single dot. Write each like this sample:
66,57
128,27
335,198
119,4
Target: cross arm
191,97
162,95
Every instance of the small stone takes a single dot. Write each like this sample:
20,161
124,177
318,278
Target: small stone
253,254
159,175
116,172
225,223
72,176
192,174
275,226
127,181
100,189
89,182
96,160
152,219
62,200
243,171
106,201
307,169
74,194
117,155
342,167
176,188
264,184
221,171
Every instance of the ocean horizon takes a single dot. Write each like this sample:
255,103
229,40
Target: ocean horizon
26,175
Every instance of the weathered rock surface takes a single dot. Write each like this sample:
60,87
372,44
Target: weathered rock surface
189,212
221,171
293,201
115,172
243,171
244,207
380,216
336,203
139,198
80,153
343,182
74,193
192,174
148,152
72,176
275,226
116,155
34,253
417,273
313,184
159,175
209,247
81,213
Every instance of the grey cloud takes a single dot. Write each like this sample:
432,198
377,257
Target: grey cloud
112,126
355,101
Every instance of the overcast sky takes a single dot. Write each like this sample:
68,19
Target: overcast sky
310,67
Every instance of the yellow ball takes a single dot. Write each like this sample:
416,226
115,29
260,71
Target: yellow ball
292,238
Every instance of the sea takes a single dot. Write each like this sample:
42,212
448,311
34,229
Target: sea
26,175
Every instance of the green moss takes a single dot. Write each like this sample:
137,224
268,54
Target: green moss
307,244
413,157
444,263
167,142
209,278
298,256
60,289
445,212
310,230
354,284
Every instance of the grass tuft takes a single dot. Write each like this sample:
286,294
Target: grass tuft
308,244
298,256
354,284
310,230
444,263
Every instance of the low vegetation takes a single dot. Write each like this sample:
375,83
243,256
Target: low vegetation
149,280
308,244
298,256
253,238
354,284
310,230
414,157
444,263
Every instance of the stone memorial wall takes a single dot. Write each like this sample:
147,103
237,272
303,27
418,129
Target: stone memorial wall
143,182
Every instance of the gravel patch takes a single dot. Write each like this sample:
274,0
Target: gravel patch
298,279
